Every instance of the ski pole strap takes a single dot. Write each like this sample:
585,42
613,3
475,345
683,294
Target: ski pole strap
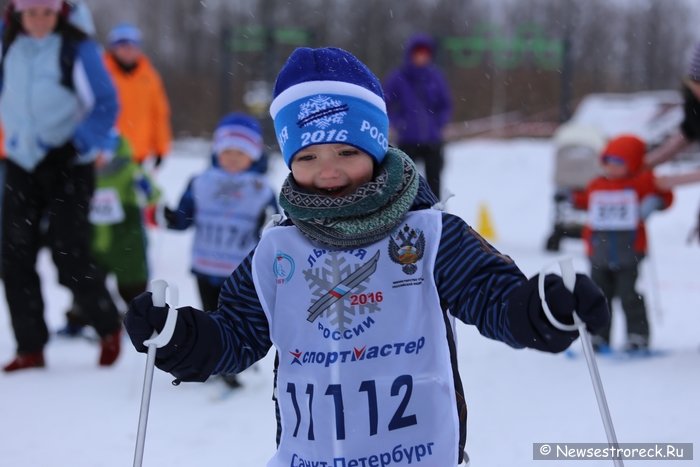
158,288
569,277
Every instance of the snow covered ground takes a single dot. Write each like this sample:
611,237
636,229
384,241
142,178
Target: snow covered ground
75,414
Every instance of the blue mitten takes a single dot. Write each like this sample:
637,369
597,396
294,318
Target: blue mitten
650,204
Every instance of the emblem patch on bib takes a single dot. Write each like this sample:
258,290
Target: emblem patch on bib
406,247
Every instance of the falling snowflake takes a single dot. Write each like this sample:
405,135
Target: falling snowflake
322,111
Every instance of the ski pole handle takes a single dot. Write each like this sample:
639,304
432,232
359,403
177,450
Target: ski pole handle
568,276
158,288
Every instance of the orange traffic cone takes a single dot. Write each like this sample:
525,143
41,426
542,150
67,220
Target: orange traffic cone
484,224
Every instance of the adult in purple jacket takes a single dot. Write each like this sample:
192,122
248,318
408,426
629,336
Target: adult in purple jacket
419,106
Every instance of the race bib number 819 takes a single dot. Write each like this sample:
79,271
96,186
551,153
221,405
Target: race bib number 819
613,210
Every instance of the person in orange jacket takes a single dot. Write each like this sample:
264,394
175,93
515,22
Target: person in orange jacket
144,115
618,203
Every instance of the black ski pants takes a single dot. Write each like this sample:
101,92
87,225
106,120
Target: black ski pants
51,204
208,293
621,283
432,156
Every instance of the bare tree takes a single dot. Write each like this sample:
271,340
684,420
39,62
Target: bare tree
640,45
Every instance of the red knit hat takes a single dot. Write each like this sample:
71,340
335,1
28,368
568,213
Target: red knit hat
629,148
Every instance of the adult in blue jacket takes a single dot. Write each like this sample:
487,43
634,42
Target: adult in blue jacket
57,105
419,105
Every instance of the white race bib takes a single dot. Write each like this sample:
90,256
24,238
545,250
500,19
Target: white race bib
365,375
106,207
613,210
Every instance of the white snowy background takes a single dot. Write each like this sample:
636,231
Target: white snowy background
75,414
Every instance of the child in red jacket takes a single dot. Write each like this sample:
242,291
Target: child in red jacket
618,202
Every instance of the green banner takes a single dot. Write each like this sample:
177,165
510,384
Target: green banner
528,46
253,39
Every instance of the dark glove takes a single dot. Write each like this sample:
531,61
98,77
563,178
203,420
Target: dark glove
194,348
562,195
142,318
530,326
169,215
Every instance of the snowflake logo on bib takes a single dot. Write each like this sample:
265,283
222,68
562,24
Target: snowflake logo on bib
322,112
340,290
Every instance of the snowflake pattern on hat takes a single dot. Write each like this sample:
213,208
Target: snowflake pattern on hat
322,112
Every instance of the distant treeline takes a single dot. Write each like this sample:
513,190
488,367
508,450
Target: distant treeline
498,55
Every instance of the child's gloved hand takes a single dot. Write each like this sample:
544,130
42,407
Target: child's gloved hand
142,318
169,216
150,215
650,204
589,303
563,195
530,325
194,348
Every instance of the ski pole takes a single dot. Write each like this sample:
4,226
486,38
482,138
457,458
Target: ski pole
653,284
568,275
156,341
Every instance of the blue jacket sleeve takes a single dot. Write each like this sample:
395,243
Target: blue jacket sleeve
391,88
96,90
243,327
183,217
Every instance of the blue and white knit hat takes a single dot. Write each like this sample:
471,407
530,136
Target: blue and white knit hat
239,131
694,66
124,33
328,96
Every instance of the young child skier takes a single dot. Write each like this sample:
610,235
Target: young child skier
227,204
358,288
618,202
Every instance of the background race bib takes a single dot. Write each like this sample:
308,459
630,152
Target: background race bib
613,210
106,207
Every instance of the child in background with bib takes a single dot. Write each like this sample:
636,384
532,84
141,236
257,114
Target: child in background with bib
358,289
227,204
618,203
